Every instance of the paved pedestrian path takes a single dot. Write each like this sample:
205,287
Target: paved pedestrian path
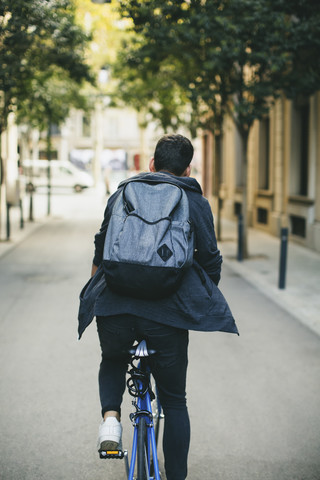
300,297
66,204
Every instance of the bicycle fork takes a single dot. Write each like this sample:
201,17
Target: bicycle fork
143,409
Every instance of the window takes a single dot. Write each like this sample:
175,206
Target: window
304,149
298,226
239,161
86,126
55,129
262,215
300,149
237,208
43,155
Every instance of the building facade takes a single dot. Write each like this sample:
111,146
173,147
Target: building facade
283,174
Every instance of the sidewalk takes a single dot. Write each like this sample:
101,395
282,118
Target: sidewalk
18,234
301,296
66,204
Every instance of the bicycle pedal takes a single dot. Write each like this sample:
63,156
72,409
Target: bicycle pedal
111,454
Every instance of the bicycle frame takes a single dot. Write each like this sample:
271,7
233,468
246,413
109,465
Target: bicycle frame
144,409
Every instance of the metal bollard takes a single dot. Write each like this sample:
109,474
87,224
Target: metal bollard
283,257
21,214
8,223
240,238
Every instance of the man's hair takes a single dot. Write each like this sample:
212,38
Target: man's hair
173,153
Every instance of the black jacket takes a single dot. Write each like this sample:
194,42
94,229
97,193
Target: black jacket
197,305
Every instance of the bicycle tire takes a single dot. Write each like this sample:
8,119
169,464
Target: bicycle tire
142,460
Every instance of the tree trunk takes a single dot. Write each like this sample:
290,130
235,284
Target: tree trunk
3,126
243,232
1,181
217,181
49,153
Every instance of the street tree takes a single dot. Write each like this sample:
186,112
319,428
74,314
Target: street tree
39,40
168,64
229,56
36,35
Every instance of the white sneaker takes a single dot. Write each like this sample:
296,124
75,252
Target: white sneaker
110,432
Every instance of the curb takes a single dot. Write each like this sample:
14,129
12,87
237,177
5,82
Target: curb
291,299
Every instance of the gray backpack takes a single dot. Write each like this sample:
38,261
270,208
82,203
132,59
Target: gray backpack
149,242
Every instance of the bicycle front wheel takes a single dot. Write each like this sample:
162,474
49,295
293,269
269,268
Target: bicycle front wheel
142,460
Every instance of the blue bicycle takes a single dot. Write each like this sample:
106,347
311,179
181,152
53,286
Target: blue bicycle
145,419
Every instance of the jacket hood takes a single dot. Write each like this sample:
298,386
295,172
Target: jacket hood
187,183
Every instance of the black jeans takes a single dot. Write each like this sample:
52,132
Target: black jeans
169,368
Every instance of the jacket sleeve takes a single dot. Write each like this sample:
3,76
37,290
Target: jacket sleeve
207,253
101,235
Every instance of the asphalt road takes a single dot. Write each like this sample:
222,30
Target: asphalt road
253,400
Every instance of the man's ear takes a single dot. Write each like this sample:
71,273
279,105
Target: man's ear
187,171
151,165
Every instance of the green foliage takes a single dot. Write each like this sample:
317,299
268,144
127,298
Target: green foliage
49,101
149,88
39,41
225,55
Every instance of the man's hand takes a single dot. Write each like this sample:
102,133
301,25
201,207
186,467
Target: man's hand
93,269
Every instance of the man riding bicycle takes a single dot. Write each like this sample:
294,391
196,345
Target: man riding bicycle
164,322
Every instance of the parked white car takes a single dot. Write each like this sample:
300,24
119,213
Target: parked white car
63,175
